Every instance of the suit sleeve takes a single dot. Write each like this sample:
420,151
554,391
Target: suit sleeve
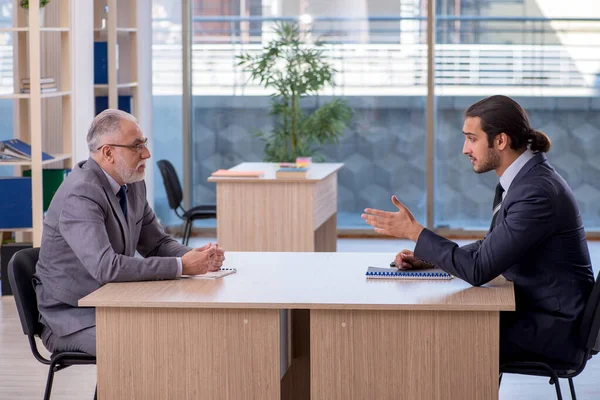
472,246
82,225
528,221
153,240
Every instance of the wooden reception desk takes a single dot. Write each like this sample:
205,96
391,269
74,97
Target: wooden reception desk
269,214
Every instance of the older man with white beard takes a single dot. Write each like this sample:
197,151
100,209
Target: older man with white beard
97,220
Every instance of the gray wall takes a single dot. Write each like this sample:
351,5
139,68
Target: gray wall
384,153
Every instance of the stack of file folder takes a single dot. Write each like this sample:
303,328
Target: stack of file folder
17,150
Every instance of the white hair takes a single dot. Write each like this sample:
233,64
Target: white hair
108,122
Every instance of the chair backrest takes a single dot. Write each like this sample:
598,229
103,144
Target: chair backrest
20,274
171,182
590,323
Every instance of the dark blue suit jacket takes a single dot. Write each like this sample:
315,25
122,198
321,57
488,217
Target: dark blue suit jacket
539,243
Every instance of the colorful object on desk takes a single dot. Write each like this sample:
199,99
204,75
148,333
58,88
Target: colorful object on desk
395,273
303,162
228,173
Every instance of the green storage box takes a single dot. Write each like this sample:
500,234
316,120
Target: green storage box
52,179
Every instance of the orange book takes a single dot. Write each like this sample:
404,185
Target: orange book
227,173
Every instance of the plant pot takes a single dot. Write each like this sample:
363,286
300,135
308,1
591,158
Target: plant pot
42,12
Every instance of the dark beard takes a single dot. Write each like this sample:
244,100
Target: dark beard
492,161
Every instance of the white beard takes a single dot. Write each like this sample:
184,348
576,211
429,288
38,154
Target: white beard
128,175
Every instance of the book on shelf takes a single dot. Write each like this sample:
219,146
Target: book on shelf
291,173
43,85
18,150
7,158
47,85
43,90
45,80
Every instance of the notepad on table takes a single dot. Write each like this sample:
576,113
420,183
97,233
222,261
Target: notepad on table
228,173
213,275
395,273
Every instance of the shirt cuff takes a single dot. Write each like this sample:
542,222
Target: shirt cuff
179,267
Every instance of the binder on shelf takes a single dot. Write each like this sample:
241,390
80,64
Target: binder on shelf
18,149
395,273
52,179
100,63
15,202
124,103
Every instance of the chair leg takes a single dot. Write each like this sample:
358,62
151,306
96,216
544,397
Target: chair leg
557,386
186,231
572,387
49,382
189,233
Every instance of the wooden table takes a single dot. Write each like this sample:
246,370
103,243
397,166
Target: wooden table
269,214
221,339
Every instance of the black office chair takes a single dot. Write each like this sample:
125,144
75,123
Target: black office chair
175,196
590,339
20,274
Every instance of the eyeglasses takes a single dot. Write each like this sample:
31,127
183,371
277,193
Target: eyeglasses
136,147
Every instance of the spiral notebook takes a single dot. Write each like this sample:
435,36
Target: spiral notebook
395,273
213,275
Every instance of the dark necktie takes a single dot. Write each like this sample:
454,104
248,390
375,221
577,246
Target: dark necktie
122,194
497,204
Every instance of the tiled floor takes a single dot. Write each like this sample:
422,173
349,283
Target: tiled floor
24,378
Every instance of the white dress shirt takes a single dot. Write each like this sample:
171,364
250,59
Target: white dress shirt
513,169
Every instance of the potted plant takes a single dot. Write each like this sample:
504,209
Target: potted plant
296,70
25,4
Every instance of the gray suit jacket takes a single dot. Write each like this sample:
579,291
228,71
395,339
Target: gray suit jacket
86,243
539,243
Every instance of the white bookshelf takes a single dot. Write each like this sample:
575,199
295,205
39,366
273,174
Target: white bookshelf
44,120
115,22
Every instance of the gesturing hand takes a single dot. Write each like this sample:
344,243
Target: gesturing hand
400,224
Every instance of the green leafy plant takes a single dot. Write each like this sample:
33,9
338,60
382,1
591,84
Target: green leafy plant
296,70
25,3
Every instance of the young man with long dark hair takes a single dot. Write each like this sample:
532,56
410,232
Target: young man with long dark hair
536,238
